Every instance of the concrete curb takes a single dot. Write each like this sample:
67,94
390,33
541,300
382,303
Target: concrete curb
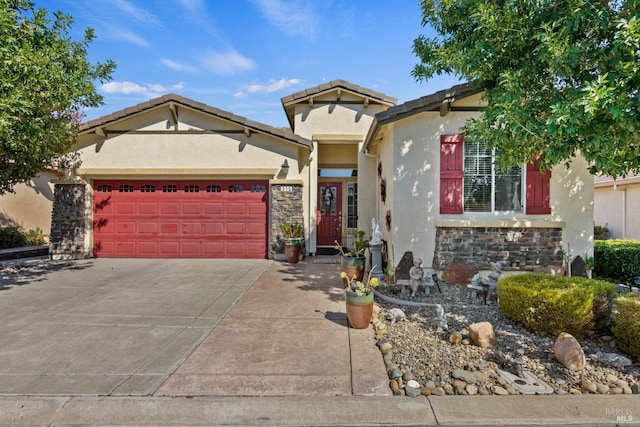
587,410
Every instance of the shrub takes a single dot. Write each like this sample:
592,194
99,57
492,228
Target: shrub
554,304
626,328
11,237
617,259
601,233
34,237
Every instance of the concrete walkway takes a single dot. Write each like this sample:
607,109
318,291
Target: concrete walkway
219,342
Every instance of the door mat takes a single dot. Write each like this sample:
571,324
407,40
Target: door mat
327,260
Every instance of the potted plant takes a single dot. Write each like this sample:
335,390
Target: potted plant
353,262
293,233
359,300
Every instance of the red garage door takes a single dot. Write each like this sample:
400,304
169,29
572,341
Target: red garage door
180,219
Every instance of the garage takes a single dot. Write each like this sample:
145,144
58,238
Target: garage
180,218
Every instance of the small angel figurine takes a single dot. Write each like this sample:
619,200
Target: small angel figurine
416,274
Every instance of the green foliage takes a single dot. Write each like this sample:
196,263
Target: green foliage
34,237
554,304
291,230
601,233
45,82
617,259
626,328
11,237
360,243
560,78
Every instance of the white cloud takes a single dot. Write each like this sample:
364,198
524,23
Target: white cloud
129,88
156,88
273,86
178,86
178,66
240,95
192,5
226,63
119,33
295,18
136,13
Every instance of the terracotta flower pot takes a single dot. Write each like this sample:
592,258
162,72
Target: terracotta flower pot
292,250
352,266
359,309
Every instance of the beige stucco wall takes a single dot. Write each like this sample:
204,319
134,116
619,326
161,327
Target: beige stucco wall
184,155
321,122
411,165
617,208
30,205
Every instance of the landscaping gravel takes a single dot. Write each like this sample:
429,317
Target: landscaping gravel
448,362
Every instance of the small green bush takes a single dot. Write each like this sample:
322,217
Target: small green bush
626,328
554,304
617,259
34,237
11,237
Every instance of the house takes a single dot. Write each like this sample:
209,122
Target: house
173,177
614,204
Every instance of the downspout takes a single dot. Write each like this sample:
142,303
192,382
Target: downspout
624,209
377,208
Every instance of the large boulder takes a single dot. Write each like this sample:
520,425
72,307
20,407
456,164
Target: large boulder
459,273
482,334
568,351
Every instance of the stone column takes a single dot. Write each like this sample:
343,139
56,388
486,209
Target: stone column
68,221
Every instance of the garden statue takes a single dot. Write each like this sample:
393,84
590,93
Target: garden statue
416,275
395,314
376,237
488,285
441,316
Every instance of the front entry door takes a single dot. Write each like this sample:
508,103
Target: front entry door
329,213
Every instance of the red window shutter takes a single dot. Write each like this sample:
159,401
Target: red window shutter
451,173
538,185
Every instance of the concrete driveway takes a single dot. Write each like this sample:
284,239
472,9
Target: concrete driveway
110,326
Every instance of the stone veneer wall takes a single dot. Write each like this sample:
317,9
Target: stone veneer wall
68,221
286,205
514,248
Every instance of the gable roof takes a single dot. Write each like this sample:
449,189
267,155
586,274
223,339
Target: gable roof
172,99
289,101
434,102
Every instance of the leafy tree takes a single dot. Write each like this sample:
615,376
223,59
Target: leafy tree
45,82
560,77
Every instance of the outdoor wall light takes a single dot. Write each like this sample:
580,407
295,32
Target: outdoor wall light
285,167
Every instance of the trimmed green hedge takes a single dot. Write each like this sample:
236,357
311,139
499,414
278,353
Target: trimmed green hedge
554,304
626,328
617,259
11,237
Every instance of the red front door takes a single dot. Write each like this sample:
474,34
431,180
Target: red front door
329,213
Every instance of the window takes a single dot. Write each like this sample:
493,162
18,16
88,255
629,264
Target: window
125,188
486,188
191,188
213,188
352,205
236,188
169,188
469,182
258,189
148,188
104,188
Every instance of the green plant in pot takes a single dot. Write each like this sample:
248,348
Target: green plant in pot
293,232
353,262
359,300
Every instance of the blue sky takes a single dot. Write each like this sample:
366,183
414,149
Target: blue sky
243,56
